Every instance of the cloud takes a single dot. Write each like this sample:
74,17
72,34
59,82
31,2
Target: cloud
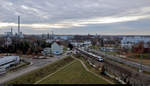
81,23
107,20
71,14
29,8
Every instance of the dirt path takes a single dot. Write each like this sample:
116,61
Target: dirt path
37,82
91,71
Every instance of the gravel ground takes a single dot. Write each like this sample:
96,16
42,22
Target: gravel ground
35,64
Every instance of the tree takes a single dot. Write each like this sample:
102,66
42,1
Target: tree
70,46
138,48
102,42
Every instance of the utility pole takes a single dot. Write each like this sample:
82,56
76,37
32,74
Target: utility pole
11,31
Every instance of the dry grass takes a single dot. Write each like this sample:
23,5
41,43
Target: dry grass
74,74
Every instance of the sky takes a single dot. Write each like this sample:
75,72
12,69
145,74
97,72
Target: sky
104,17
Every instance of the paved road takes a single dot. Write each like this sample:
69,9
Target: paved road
36,63
121,60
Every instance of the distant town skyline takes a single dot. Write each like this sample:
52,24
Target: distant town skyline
105,17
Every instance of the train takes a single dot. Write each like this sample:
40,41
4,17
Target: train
98,58
8,61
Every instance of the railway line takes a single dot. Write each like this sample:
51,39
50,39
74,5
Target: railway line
116,59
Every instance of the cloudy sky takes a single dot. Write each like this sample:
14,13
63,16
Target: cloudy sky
110,17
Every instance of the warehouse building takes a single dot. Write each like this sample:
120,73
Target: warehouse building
8,61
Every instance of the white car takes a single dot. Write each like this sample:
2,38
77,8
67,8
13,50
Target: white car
100,59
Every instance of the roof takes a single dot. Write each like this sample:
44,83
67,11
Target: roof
6,59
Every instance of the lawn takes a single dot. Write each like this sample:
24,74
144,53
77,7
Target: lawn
32,77
73,74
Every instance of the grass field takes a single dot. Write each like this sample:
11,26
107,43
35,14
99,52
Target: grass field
73,74
36,75
94,69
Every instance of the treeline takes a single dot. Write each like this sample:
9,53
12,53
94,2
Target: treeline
24,46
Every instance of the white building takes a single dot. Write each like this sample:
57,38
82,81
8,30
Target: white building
128,42
87,43
49,40
46,51
84,43
8,61
56,48
77,44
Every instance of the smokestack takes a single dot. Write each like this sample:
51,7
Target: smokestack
18,24
52,33
11,30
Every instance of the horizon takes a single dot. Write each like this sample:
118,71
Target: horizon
79,34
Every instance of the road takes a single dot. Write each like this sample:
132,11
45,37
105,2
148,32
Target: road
121,60
36,64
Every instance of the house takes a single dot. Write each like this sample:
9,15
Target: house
56,48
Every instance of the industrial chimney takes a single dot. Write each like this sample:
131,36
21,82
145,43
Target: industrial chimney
11,31
18,24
